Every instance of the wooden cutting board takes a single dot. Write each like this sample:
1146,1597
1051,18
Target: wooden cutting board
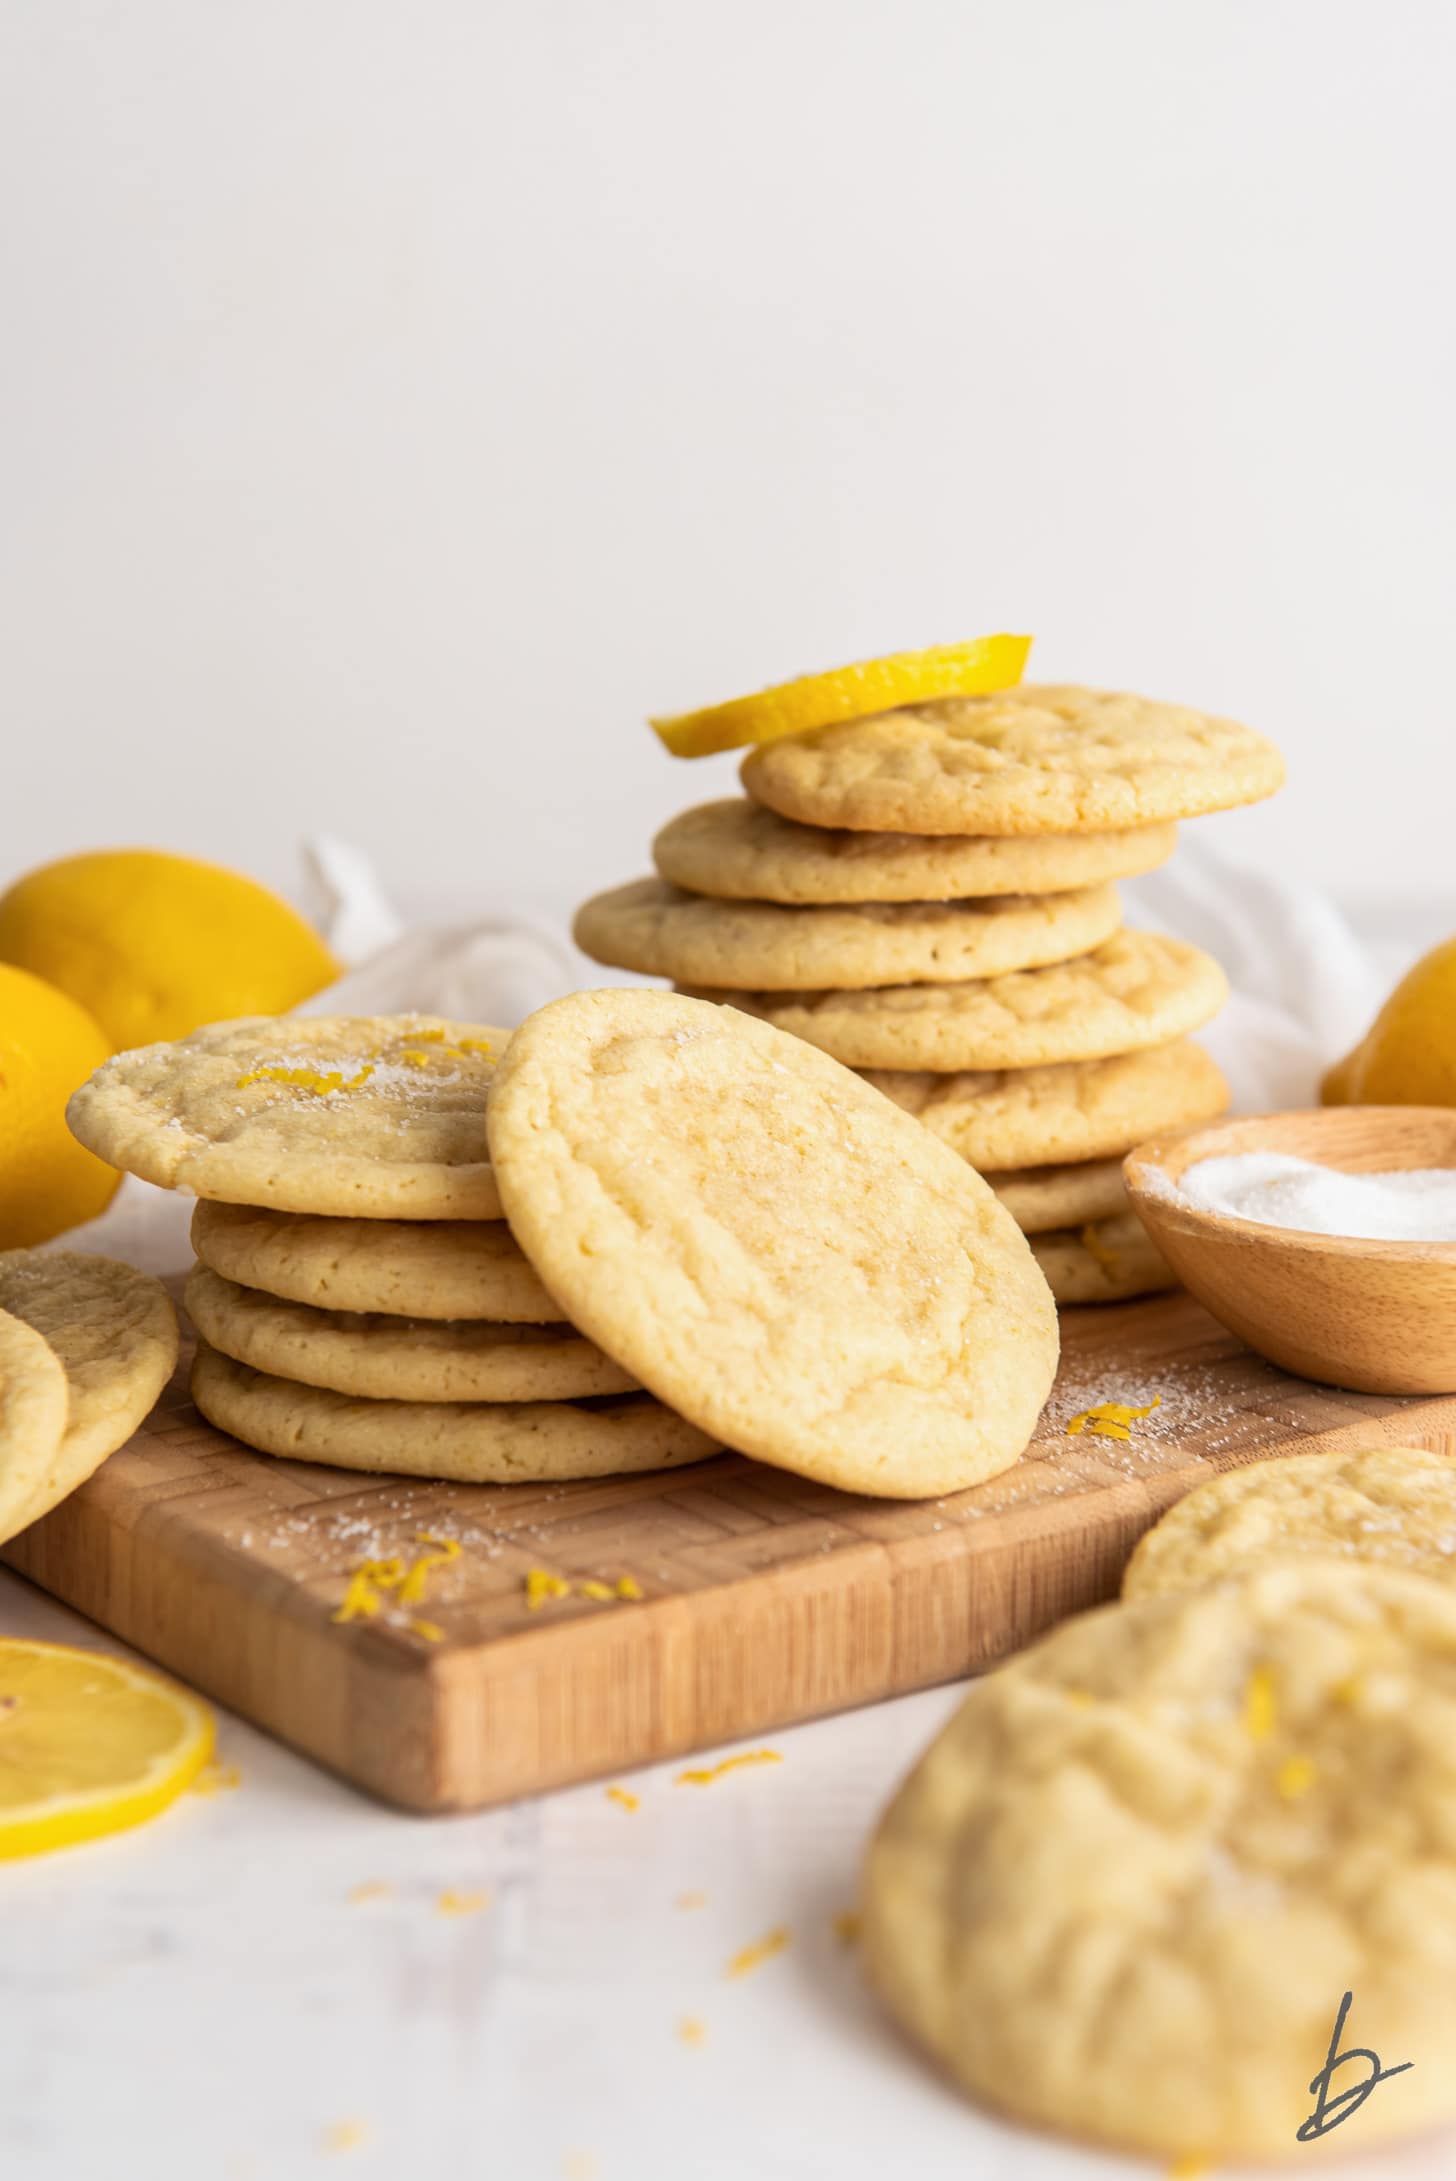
766,1599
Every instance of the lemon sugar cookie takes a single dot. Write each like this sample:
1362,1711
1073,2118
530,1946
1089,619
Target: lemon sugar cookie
372,1117
480,1442
114,1333
659,931
1070,1110
1040,1198
1137,989
1104,1261
1126,1889
769,1246
437,1268
33,1404
1050,759
398,1359
736,850
1395,1505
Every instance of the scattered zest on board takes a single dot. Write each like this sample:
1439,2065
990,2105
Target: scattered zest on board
1110,1419
623,1797
542,1587
377,1582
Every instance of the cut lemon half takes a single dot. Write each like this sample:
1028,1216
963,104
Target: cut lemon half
850,692
89,1745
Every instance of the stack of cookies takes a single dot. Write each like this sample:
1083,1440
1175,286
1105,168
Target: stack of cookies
927,895
359,1298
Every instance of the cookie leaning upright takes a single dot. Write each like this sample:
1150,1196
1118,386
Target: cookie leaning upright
769,1246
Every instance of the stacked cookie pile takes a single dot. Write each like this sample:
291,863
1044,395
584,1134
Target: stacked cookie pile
358,1296
926,894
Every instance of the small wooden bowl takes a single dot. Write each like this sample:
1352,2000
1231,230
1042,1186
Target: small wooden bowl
1378,1317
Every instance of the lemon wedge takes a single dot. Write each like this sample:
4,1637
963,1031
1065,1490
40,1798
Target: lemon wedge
975,669
89,1745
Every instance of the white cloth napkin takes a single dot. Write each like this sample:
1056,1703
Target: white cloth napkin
1304,988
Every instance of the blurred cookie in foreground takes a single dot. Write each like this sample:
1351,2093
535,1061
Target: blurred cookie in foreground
1125,1892
1390,1505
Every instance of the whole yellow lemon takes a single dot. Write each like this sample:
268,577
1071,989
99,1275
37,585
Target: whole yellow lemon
1408,1055
48,1047
153,945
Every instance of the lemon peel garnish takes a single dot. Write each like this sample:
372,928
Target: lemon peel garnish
373,1581
1110,1419
704,1775
623,1797
1261,1705
542,1587
451,1903
323,1083
692,2030
749,1958
975,669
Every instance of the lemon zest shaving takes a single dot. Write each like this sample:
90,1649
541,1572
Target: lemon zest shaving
704,1775
309,1079
370,1889
749,1958
367,1585
629,1587
451,1903
847,1927
623,1797
1261,1708
1098,1251
1110,1419
595,1590
692,2030
1295,1777
542,1585
415,1060
481,1045
412,1589
428,1631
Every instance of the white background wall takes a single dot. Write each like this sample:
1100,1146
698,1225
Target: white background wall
400,397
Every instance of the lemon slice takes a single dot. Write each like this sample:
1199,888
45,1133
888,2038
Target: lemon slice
850,692
89,1745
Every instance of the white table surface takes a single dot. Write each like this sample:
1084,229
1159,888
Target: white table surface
200,2000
